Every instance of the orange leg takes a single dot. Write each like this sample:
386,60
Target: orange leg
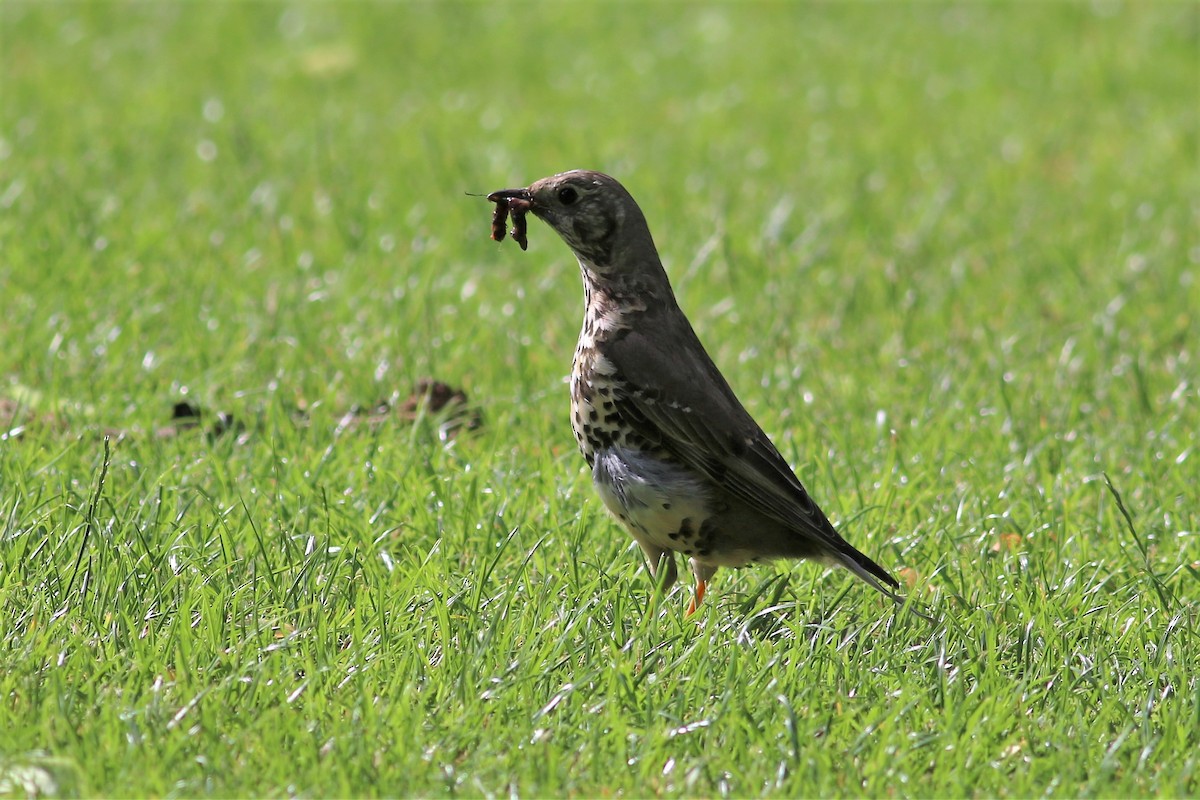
698,598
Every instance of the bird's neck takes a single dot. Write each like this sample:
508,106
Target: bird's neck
606,312
635,288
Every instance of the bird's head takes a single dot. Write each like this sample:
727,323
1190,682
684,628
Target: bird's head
596,217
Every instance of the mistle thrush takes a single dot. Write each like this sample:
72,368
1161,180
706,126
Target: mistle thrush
674,455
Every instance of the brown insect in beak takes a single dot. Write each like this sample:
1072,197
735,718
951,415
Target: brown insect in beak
514,201
499,218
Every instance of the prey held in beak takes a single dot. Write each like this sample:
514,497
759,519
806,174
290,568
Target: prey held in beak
511,201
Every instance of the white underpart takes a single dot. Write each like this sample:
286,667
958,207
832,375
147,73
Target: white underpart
653,497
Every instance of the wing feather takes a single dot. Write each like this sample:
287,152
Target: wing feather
694,415
699,420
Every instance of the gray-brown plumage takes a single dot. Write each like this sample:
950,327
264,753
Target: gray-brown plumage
674,455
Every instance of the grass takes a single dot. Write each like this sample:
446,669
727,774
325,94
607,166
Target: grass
945,253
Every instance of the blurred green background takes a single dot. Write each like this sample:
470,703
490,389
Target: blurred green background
199,164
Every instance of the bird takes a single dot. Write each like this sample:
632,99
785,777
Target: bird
673,453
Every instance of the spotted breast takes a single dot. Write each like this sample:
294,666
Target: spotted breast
662,503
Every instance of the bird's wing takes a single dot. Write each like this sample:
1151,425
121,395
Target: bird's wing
678,399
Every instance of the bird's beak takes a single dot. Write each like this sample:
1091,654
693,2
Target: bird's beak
516,198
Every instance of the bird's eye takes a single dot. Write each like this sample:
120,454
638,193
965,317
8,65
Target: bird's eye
567,195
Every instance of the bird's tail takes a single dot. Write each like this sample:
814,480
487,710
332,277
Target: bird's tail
871,573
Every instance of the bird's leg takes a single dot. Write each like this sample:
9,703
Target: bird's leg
662,567
698,597
703,573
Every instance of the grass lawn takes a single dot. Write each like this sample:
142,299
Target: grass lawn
946,254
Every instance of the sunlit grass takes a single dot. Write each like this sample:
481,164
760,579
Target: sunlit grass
946,255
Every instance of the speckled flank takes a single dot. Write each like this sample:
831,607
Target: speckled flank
595,386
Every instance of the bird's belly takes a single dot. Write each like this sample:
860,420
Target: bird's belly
661,503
